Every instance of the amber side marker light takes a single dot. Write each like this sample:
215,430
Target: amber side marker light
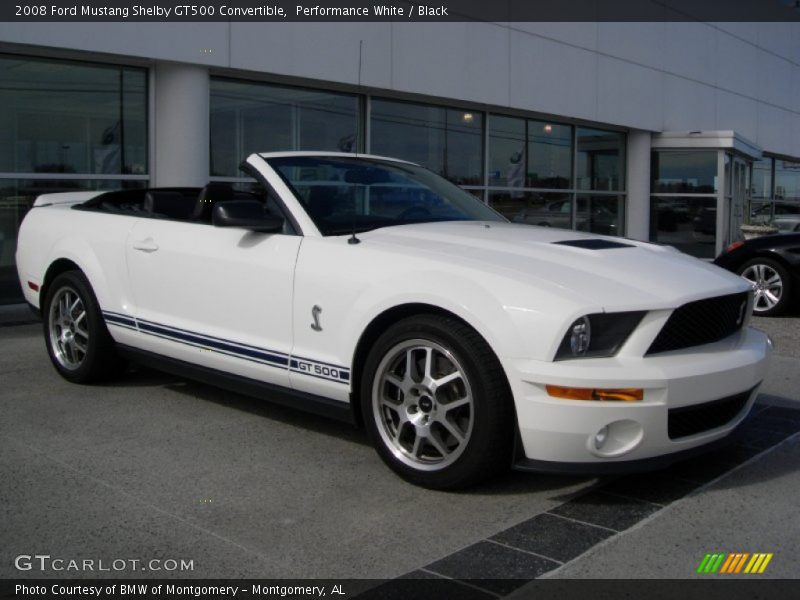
572,393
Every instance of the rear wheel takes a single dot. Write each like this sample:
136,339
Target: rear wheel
771,285
436,403
78,342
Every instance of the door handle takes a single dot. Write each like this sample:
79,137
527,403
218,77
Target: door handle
146,245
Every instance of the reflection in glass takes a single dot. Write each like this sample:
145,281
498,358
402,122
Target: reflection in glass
601,214
255,117
63,117
762,179
601,160
347,194
446,141
506,151
549,155
787,180
677,172
534,208
16,198
689,224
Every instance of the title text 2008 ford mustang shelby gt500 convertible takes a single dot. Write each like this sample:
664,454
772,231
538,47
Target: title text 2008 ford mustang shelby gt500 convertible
371,289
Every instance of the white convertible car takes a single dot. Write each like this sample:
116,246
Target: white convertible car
370,289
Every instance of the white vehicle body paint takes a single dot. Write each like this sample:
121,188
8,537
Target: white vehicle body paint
241,302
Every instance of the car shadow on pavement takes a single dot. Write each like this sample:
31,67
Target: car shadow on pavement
771,422
135,376
508,483
143,377
519,482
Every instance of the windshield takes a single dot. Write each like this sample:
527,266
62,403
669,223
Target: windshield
347,194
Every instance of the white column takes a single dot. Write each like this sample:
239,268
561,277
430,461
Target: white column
638,185
181,136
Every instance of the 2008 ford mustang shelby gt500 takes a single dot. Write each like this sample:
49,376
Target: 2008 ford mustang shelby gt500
371,289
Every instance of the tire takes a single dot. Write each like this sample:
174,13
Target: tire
77,340
437,434
771,283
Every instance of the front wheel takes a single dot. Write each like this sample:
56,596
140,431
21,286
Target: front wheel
771,285
436,403
78,342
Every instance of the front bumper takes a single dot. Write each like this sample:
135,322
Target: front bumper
561,435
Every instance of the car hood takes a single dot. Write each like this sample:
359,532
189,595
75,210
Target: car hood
635,276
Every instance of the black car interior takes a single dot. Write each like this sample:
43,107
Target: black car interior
194,205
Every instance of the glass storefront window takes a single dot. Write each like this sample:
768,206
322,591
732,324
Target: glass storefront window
256,117
543,151
761,181
447,141
549,155
71,119
532,154
478,193
601,214
600,160
64,117
534,208
676,172
506,151
787,180
689,224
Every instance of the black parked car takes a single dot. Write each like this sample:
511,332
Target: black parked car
772,266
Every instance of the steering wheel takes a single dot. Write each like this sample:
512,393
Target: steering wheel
415,212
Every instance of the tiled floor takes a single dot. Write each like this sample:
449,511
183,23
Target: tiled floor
507,560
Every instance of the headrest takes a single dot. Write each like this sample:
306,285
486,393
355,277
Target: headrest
211,194
173,205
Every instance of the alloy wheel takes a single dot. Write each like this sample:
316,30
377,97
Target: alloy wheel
767,285
69,332
423,405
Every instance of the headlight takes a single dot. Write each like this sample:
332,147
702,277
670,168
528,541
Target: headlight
580,337
598,335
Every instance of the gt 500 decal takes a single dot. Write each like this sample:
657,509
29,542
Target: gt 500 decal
209,343
322,370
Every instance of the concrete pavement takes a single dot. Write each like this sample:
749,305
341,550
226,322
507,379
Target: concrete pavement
155,467
753,508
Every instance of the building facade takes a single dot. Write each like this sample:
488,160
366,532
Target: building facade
670,132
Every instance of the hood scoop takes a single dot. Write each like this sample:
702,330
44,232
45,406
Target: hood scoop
594,244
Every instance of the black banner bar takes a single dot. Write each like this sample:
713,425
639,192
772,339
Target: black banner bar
398,10
711,587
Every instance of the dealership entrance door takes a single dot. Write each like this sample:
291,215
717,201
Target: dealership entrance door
700,189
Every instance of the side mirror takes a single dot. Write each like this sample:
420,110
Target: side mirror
249,214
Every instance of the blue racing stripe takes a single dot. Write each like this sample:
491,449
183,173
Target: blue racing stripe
302,366
171,328
118,319
217,351
216,344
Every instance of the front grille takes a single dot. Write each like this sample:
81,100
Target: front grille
689,420
701,322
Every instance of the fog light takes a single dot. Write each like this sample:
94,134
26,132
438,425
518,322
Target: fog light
601,437
615,438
